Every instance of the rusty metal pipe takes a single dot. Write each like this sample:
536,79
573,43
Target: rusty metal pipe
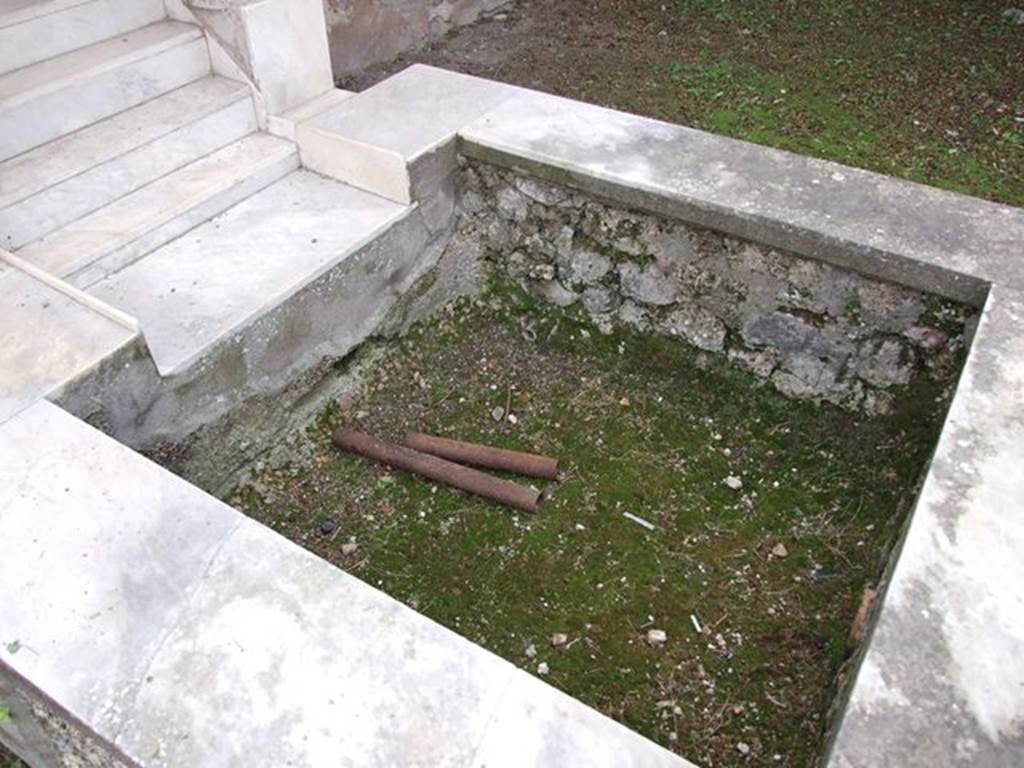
447,472
477,455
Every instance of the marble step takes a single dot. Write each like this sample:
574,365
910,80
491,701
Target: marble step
225,274
50,99
47,338
41,30
57,183
116,235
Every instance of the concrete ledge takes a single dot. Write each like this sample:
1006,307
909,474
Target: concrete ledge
184,633
942,680
375,140
48,337
908,233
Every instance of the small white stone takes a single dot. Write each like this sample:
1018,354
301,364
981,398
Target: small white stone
733,482
559,639
498,413
780,551
513,419
542,669
743,748
657,637
349,548
531,651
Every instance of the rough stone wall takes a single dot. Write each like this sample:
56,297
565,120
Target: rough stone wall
364,32
44,736
813,330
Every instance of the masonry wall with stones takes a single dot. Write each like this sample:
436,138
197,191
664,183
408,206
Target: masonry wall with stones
813,330
364,32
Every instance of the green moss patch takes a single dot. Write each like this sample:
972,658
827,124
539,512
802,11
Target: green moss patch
755,587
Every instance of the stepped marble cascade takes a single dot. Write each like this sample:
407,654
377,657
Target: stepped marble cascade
196,228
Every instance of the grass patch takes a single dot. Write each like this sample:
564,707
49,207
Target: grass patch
643,425
929,91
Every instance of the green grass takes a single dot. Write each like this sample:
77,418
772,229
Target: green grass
924,89
643,425
927,90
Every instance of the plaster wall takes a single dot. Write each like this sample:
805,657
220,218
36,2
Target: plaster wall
364,32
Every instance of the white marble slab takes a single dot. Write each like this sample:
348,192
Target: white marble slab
102,242
193,291
62,27
287,48
46,338
371,139
283,125
67,179
187,635
55,97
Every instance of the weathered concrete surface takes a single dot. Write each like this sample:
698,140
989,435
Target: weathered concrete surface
393,139
266,354
942,680
364,32
46,338
186,634
908,233
187,295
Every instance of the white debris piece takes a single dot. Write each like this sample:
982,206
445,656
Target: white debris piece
657,637
696,623
639,521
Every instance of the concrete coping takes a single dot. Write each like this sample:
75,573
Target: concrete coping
912,234
379,139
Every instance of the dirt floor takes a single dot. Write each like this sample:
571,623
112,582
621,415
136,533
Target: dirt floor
756,586
930,90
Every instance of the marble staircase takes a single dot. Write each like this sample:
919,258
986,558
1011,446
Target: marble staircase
117,139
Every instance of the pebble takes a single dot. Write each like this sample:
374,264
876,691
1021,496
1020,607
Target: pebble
733,482
1016,15
498,413
531,651
542,669
743,748
780,551
349,548
657,637
559,639
327,527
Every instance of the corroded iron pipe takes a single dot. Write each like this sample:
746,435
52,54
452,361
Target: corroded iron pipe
516,462
447,472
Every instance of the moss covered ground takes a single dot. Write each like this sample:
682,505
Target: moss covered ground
756,588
